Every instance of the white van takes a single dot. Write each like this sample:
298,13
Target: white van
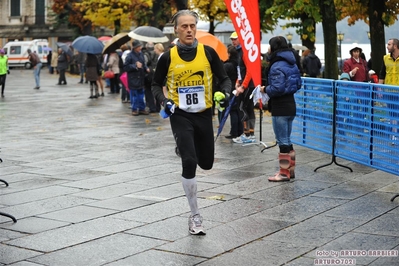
17,52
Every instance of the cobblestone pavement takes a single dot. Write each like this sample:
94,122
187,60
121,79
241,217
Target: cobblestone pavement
92,185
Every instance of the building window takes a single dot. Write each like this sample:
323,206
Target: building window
15,8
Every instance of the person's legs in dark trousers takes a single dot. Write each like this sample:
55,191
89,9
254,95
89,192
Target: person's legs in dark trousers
193,134
150,100
3,83
114,86
117,85
82,71
62,79
125,97
237,128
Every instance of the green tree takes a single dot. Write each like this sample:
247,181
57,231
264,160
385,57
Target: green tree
214,11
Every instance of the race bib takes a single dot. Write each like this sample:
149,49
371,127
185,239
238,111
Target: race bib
192,99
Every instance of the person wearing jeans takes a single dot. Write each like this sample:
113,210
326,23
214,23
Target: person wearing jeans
37,66
284,79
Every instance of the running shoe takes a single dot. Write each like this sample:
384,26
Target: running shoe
237,139
244,139
195,225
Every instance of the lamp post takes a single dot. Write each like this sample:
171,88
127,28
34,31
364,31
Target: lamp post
289,38
340,37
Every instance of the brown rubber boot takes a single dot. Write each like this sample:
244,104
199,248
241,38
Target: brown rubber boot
284,173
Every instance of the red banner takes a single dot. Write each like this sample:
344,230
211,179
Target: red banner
245,17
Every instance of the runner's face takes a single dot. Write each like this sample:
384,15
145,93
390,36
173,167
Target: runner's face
186,29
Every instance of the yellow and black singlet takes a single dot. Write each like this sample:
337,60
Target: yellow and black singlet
190,83
392,70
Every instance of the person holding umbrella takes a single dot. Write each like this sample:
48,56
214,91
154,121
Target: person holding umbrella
92,65
135,67
189,68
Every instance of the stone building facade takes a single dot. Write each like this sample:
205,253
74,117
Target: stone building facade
28,20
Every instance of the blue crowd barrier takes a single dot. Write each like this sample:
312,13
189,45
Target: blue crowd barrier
355,121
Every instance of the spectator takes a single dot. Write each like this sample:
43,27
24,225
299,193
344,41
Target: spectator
389,75
136,68
284,79
246,105
356,66
62,66
3,70
80,60
113,65
49,57
230,66
125,97
37,66
312,65
91,65
54,62
151,59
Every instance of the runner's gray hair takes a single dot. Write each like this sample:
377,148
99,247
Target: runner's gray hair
184,12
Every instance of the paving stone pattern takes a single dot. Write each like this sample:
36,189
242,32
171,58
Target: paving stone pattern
92,185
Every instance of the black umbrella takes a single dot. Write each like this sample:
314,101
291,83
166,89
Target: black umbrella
65,48
116,42
148,34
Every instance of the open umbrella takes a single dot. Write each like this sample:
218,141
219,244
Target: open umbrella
65,48
116,42
300,47
148,34
88,44
212,41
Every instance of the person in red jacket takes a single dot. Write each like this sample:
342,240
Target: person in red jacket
356,66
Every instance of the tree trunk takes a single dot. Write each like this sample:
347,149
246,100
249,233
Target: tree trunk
377,33
181,4
88,29
329,24
117,24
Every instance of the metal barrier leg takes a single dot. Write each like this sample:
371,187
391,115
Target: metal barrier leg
2,213
334,160
394,197
1,180
9,216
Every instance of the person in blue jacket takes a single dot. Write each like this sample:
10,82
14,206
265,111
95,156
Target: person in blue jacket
136,68
284,79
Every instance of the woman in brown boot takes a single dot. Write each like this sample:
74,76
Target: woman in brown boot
284,79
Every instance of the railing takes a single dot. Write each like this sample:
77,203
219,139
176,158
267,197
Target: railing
351,120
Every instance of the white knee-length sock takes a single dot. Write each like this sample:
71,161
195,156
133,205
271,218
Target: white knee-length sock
190,188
